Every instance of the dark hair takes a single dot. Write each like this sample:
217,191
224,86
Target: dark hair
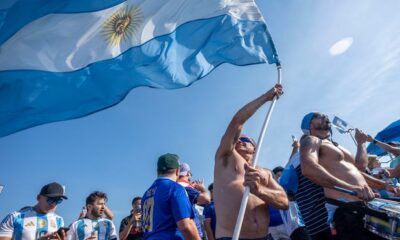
211,187
95,195
135,199
168,171
277,169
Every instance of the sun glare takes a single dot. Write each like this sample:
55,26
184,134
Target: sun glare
341,46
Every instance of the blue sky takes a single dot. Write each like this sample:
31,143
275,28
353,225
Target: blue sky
116,150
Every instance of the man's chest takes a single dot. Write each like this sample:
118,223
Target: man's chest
329,154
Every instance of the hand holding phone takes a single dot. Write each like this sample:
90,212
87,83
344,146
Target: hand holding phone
62,232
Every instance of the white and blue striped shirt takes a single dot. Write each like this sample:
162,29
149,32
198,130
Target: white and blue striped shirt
28,224
101,229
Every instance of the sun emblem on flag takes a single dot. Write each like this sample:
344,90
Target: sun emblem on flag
122,25
41,223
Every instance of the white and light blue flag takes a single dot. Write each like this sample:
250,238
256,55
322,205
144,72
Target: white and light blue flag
341,125
61,60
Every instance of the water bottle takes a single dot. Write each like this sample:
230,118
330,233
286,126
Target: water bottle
83,212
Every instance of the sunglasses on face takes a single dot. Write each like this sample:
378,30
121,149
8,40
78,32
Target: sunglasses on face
245,139
323,128
54,200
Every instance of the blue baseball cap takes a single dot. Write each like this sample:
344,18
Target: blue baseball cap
306,122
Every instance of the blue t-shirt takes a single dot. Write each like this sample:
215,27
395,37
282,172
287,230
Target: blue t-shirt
209,212
163,205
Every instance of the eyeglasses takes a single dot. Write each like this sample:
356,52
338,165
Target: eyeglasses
56,201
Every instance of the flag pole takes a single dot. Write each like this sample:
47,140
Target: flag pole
246,192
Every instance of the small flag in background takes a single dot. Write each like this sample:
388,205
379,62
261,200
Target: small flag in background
66,59
341,125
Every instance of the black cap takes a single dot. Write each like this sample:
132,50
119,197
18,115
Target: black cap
53,190
168,161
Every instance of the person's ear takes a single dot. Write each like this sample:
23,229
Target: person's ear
89,207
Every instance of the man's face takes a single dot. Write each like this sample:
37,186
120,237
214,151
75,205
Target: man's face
47,204
189,176
320,127
278,174
376,164
97,208
136,206
245,148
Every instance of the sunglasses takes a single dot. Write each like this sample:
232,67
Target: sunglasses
51,200
246,139
323,128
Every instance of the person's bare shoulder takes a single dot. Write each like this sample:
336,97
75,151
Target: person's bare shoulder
309,141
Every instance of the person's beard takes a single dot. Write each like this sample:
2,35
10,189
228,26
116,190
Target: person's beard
96,213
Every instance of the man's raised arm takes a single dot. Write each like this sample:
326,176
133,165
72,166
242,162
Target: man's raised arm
361,161
236,125
384,146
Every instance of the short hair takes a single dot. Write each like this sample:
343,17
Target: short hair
277,169
96,195
168,171
135,199
211,187
371,159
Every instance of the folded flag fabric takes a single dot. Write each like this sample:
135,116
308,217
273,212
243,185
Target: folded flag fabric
61,60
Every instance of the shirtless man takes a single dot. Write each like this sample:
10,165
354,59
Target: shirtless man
233,171
328,165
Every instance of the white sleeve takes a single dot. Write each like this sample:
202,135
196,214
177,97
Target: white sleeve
71,234
113,232
7,225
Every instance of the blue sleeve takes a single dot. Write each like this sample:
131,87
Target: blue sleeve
193,194
207,212
180,205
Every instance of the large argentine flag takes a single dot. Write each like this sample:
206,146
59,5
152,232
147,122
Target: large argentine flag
66,59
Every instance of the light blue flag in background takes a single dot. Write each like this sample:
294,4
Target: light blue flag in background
61,60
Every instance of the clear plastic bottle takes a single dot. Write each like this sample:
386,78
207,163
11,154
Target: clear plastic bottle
83,212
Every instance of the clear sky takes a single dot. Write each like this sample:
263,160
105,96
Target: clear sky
339,57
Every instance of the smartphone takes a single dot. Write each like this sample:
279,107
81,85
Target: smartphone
62,228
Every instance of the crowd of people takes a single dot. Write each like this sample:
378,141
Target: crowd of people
321,193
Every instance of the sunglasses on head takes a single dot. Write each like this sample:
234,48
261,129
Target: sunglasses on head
55,200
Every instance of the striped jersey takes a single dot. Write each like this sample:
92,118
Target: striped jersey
28,224
311,201
100,229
